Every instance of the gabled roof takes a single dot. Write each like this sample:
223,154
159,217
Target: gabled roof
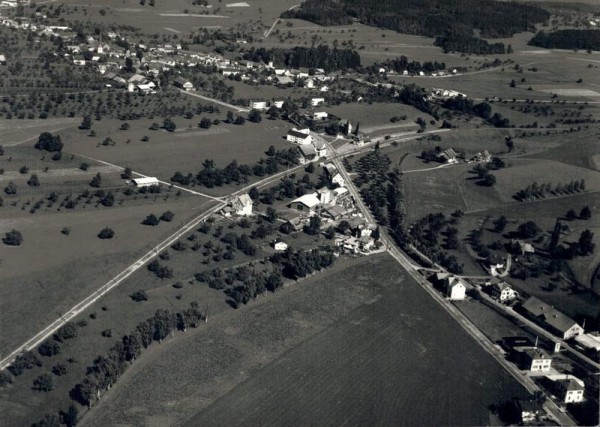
548,314
309,200
242,201
297,134
307,150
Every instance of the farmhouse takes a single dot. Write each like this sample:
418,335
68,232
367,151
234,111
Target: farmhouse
308,202
242,205
453,287
567,388
315,102
307,153
448,156
502,291
551,319
320,147
529,410
182,83
531,359
145,182
299,136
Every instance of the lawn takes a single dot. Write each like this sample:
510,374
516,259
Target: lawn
360,343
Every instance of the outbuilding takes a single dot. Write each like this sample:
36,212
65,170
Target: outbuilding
147,181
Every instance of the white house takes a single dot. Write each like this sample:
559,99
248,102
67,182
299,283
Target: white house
147,181
182,83
299,136
503,292
317,101
453,287
337,179
320,115
280,246
307,202
278,104
242,205
258,105
567,388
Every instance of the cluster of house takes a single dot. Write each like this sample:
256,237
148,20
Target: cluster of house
439,73
358,239
445,94
311,147
285,76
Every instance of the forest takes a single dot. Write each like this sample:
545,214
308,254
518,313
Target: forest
431,18
321,56
568,39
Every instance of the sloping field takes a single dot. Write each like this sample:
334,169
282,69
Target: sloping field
363,345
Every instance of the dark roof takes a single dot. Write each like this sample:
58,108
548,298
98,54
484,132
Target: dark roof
530,406
298,134
548,314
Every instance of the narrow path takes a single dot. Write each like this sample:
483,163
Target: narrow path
206,98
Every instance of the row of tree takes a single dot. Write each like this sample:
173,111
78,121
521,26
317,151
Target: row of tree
322,56
538,191
568,39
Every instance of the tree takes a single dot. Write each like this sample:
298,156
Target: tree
586,213
310,168
330,233
230,117
509,143
254,193
240,120
59,369
571,215
106,233
314,225
13,238
129,65
169,125
489,180
529,230
96,181
66,332
43,383
205,123
49,348
11,188
586,245
500,224
127,173
254,116
70,417
271,214
151,220
5,379
86,124
48,142
167,216
139,296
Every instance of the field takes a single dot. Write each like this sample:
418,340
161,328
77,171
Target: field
287,348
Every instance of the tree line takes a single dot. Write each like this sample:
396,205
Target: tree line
322,56
567,39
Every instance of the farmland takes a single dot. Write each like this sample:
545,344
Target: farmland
247,355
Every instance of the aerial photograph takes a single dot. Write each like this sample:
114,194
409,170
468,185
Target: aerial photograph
299,213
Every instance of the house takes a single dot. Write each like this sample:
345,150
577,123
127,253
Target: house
529,410
502,291
448,156
280,246
567,388
522,247
136,78
590,341
325,195
453,287
230,72
299,136
242,205
346,126
334,212
338,180
278,104
315,102
550,318
324,89
531,358
320,147
306,203
147,181
182,83
258,105
307,153
320,115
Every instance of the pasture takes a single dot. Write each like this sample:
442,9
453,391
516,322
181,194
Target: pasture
287,348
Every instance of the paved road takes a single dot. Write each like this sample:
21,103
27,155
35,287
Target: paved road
462,320
206,98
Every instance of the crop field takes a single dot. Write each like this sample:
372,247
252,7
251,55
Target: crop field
290,344
376,117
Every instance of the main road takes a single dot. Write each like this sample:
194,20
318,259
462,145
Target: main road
78,308
463,321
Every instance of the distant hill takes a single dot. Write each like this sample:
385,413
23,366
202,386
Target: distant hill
451,20
568,39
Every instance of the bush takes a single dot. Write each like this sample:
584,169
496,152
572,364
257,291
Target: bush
24,361
49,348
5,379
139,296
13,238
10,188
59,369
49,142
43,383
167,216
66,332
151,220
106,233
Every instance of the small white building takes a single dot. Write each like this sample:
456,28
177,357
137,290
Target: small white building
242,205
337,179
278,104
453,287
258,105
184,84
320,115
280,246
307,202
317,101
147,181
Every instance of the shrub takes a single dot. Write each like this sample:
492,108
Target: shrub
167,216
59,369
66,332
139,296
43,383
49,348
13,238
151,220
106,233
